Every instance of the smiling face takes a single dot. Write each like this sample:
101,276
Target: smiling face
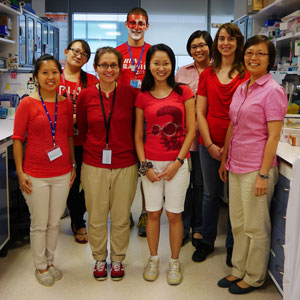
48,76
226,43
160,66
76,56
108,68
257,60
137,26
200,51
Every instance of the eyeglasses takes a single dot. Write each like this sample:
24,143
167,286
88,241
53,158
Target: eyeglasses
201,46
77,52
169,129
106,66
258,54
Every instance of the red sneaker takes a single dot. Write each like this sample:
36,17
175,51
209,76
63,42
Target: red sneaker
117,270
100,270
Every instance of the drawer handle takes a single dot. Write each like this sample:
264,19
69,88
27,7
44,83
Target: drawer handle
279,270
286,189
284,217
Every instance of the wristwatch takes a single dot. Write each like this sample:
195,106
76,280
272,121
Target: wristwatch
144,167
262,176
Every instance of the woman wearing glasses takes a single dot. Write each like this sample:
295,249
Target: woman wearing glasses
109,173
168,109
198,47
216,87
257,111
72,81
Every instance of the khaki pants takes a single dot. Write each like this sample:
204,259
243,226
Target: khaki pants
46,204
251,226
109,191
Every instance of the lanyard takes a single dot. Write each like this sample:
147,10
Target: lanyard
107,123
132,60
53,127
73,98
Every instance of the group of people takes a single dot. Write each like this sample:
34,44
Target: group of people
222,113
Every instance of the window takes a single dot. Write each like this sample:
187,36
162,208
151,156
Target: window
99,30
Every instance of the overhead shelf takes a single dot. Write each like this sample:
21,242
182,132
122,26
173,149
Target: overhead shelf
8,10
3,40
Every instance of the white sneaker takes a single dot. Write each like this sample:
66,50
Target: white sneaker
55,272
151,270
44,278
174,273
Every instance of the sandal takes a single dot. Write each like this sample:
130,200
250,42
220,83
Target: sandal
82,233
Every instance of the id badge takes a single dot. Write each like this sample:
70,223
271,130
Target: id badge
132,68
136,83
106,156
54,153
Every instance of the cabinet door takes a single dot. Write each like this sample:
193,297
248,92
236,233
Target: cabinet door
45,39
4,229
38,39
22,41
30,40
51,41
56,44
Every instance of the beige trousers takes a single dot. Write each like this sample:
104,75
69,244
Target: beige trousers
109,191
46,204
251,226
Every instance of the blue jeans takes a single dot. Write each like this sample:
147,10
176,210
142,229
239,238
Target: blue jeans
213,191
192,214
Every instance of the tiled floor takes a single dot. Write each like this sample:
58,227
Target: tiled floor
17,279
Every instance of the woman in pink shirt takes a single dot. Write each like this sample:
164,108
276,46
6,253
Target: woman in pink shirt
48,169
199,47
257,111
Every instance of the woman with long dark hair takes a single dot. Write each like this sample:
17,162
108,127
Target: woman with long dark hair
73,80
216,87
168,110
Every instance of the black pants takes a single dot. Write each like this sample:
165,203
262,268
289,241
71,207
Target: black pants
76,202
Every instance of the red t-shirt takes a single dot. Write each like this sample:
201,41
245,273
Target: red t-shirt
219,97
31,118
70,85
165,123
92,128
127,74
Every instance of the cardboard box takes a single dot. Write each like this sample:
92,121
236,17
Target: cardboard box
254,5
267,2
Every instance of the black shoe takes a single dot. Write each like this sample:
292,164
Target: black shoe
196,242
229,256
131,221
142,225
185,240
225,283
201,253
237,290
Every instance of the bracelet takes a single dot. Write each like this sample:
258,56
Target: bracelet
209,146
262,176
74,166
180,160
144,167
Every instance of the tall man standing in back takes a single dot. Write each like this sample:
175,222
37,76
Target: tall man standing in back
133,71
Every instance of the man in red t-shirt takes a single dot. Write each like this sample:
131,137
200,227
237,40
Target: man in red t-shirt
133,71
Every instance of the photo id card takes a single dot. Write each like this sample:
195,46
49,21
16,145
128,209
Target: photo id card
106,156
136,83
54,153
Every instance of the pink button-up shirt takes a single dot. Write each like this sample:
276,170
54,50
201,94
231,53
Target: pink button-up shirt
250,111
189,75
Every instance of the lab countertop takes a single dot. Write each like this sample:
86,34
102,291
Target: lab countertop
6,128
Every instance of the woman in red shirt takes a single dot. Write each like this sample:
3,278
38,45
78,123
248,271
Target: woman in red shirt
45,175
72,81
168,110
109,172
216,87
